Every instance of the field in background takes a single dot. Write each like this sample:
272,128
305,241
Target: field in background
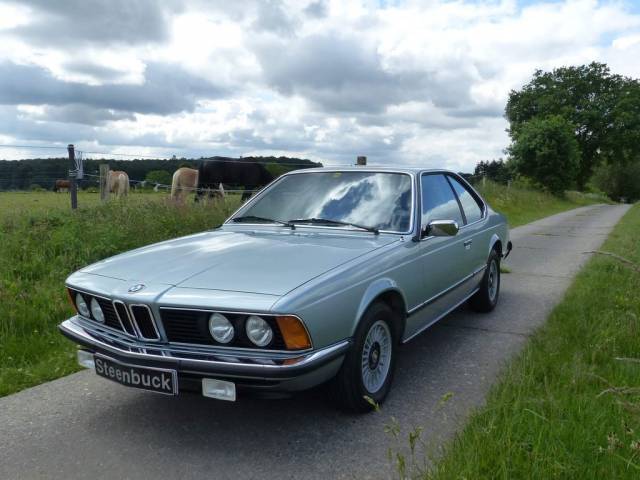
42,241
523,205
569,405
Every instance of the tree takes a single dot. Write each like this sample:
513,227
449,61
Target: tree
546,150
496,170
604,109
159,176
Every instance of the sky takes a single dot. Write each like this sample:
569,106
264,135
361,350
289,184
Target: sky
404,82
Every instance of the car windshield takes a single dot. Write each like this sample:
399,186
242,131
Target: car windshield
377,200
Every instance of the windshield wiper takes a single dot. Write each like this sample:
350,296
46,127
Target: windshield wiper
328,221
254,218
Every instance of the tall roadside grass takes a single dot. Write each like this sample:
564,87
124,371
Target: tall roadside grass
522,204
569,405
40,248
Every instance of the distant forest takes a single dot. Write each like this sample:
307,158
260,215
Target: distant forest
36,173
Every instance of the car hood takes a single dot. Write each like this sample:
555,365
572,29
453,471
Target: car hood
268,262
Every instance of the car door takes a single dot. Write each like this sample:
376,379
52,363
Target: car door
474,232
442,259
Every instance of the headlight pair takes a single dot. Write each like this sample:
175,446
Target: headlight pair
258,331
94,311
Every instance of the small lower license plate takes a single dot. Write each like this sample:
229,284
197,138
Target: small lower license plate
145,378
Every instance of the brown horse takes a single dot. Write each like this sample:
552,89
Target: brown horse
118,182
61,184
184,181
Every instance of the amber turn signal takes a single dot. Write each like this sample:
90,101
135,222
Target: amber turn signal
293,332
70,297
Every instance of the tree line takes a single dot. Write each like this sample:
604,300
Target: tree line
39,173
574,127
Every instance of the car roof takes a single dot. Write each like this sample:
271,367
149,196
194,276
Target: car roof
411,170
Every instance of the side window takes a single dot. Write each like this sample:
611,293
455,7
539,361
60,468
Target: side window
438,200
471,207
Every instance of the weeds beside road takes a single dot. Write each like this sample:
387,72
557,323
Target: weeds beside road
569,405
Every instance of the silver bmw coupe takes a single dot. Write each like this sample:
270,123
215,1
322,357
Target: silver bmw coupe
315,280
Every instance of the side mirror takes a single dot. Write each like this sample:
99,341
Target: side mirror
440,228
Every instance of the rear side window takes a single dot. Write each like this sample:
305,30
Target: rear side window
438,200
472,209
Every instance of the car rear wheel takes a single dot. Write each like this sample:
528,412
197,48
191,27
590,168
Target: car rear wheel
367,372
486,298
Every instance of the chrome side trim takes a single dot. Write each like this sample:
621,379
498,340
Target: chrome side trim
447,290
134,321
441,316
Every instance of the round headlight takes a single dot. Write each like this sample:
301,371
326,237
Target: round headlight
97,311
220,328
259,331
82,306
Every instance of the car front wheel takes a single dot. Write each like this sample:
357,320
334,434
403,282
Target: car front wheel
367,372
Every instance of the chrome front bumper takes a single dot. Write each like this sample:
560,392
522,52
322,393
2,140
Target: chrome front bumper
284,369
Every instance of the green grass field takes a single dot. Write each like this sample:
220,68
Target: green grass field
42,242
523,205
569,405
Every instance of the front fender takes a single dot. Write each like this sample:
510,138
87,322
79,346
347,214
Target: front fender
373,291
494,239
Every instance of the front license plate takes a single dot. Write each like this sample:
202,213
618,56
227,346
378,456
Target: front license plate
145,378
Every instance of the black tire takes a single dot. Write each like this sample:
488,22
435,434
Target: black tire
486,298
348,389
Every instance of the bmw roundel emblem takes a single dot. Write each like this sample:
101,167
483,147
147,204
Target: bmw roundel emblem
136,288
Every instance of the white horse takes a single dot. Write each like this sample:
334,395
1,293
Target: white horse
118,183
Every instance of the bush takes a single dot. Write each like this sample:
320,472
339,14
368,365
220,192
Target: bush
36,188
620,182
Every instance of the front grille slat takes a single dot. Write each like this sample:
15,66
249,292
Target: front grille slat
191,326
144,320
122,312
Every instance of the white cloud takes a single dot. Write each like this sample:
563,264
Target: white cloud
411,82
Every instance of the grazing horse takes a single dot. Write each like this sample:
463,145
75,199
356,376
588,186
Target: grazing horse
61,184
184,181
249,175
118,182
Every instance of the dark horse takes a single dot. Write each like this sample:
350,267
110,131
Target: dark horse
233,172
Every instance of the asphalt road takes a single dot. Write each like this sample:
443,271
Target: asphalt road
84,427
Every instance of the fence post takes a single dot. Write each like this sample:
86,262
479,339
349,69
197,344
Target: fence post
361,160
73,172
104,182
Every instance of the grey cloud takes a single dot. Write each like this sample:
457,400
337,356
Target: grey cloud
316,9
166,89
83,114
271,17
77,22
341,74
94,70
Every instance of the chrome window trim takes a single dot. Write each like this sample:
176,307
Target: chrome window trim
134,321
235,312
464,183
309,171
